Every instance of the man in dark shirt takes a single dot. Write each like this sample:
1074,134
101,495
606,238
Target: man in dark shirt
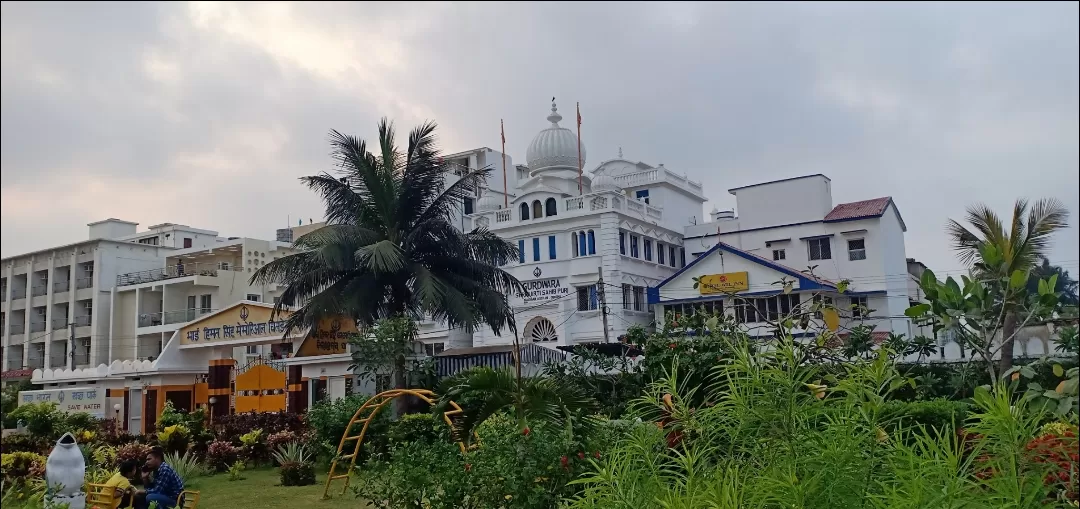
166,486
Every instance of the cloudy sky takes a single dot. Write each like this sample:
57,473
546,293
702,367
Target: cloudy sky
205,114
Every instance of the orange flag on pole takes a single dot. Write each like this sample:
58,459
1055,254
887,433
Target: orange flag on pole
506,194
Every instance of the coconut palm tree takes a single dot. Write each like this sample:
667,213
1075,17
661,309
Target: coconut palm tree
389,247
1022,243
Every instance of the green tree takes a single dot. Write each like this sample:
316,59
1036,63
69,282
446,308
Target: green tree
1020,244
389,247
1066,285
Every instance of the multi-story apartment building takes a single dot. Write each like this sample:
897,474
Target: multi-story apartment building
56,302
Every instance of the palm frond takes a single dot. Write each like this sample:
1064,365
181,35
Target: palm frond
1046,217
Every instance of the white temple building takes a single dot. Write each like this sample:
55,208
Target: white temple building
622,222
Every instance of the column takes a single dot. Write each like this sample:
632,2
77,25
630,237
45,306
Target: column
297,400
219,379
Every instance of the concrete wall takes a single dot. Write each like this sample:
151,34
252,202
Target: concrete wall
784,202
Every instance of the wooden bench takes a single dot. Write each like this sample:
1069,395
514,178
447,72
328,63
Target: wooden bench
188,499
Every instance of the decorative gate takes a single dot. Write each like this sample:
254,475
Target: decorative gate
260,387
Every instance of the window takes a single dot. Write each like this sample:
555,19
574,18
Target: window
627,296
634,246
778,254
765,308
592,242
204,303
820,249
671,257
524,211
648,250
191,302
187,242
642,195
150,241
583,244
712,307
856,249
575,252
277,300
252,349
254,297
682,257
859,307
468,205
659,253
824,301
551,247
639,298
586,298
538,209
622,243
550,207
433,349
224,265
383,383
536,249
521,251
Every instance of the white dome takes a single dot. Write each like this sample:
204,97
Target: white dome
604,182
554,147
488,202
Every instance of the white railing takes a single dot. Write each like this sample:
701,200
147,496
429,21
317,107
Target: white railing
503,216
580,205
657,175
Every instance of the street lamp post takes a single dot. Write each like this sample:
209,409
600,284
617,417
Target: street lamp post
116,421
212,401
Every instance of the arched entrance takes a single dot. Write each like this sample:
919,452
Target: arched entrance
364,415
541,330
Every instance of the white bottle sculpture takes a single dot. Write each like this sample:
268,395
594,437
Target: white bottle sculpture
65,471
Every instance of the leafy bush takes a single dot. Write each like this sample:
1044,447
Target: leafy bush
940,414
297,474
174,438
253,446
41,419
221,455
231,427
422,428
24,442
328,419
104,456
296,469
134,451
276,440
236,471
19,467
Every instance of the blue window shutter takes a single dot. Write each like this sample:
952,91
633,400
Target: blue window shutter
551,247
660,253
521,251
622,243
682,257
592,242
592,297
536,249
582,244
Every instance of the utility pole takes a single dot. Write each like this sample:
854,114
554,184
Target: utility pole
603,301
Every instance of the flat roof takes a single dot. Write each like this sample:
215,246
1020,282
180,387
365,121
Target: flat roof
112,220
732,190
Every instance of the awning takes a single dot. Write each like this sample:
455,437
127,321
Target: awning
449,362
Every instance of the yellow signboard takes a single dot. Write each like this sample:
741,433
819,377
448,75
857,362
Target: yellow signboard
242,321
329,338
729,282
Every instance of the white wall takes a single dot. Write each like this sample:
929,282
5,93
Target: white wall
784,202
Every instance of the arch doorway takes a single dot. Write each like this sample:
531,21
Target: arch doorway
541,330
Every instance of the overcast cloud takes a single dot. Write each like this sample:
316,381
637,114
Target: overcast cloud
206,114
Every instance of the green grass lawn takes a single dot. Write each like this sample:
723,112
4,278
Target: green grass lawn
260,490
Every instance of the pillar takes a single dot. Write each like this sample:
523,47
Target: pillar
218,381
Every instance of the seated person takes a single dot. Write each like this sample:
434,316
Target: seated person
121,483
166,486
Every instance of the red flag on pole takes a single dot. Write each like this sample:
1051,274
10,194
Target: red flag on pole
579,186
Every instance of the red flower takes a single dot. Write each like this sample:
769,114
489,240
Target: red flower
672,346
581,455
468,467
565,462
526,431
596,454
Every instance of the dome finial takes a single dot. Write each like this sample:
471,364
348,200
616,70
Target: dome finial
554,117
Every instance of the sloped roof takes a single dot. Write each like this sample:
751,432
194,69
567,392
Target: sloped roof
859,209
805,279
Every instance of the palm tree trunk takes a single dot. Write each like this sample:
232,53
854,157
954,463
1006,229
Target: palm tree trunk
1008,337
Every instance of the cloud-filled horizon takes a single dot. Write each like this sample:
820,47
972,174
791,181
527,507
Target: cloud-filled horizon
206,114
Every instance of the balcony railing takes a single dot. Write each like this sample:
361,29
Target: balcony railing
84,283
39,290
18,293
18,328
82,321
59,323
81,359
174,271
35,362
37,326
61,286
171,317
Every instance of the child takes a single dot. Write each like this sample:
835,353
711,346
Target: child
121,482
